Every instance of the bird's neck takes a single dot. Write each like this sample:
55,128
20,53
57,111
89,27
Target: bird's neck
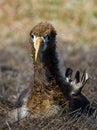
38,67
39,72
51,62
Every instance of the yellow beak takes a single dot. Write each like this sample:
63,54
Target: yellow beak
39,41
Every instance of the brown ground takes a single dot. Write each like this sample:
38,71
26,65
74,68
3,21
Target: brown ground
13,82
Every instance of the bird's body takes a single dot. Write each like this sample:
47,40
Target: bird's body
44,99
46,96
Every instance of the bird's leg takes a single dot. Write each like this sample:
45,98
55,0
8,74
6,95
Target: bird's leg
68,74
77,100
78,83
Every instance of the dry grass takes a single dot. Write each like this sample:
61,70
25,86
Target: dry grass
12,83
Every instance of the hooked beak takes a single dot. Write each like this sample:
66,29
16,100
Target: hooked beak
39,41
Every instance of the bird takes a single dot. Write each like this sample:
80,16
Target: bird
44,96
50,89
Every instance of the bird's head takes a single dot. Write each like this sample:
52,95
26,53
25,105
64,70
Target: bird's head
42,37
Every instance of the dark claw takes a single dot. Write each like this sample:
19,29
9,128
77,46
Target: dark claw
77,76
68,72
83,76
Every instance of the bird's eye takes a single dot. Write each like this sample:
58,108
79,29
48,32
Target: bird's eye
32,36
47,38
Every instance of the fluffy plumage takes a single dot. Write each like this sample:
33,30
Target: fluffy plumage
44,98
47,97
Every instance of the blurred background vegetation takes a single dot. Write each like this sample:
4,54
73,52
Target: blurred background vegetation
74,20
